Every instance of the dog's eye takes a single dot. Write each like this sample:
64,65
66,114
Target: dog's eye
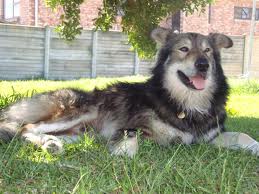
207,50
184,49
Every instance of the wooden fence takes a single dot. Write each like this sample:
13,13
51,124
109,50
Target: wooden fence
30,52
254,67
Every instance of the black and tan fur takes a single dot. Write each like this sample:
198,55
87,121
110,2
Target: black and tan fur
165,108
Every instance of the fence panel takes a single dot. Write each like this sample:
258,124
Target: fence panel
114,57
27,52
233,58
21,52
70,60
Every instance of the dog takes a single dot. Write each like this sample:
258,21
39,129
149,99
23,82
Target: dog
182,102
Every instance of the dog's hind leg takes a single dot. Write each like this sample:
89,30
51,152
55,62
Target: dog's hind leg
235,140
26,111
60,126
51,136
49,143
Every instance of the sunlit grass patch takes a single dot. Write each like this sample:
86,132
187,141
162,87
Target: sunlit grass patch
243,86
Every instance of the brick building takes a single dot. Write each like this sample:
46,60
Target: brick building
226,16
231,17
35,13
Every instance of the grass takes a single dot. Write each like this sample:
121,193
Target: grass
87,167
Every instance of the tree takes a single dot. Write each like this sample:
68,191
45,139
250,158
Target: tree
139,17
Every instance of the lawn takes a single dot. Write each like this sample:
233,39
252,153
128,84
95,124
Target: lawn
87,167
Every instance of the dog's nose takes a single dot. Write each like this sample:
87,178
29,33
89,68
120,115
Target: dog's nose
202,64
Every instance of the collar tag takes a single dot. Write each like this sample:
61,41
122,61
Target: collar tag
181,115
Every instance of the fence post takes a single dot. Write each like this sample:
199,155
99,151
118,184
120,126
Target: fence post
46,54
94,53
136,63
245,54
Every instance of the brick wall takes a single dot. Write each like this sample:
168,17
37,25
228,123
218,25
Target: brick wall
1,9
27,12
48,17
197,22
90,11
222,19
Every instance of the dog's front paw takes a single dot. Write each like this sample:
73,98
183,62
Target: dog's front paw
254,148
126,147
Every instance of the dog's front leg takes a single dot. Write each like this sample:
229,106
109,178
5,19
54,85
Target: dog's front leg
124,142
236,140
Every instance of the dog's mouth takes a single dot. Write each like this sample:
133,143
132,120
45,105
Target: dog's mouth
196,82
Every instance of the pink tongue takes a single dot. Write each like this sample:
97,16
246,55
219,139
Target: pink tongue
198,82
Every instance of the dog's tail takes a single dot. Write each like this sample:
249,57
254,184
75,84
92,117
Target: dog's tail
7,131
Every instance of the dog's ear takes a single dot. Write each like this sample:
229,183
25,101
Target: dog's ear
221,40
160,35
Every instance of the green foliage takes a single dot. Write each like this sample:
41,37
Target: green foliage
139,17
69,27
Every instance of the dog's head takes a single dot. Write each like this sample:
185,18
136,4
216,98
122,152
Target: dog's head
190,64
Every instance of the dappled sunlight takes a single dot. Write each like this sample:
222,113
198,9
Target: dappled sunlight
84,145
25,151
36,155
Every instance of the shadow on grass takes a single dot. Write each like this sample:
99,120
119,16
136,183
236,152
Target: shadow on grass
87,166
24,167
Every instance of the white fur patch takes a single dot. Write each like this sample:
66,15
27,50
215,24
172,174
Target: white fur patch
109,128
236,140
209,135
164,133
128,146
188,98
62,126
46,142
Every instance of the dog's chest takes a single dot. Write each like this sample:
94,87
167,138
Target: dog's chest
166,134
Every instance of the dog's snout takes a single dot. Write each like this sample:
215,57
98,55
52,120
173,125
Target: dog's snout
202,64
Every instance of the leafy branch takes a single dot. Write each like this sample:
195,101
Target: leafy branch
139,17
